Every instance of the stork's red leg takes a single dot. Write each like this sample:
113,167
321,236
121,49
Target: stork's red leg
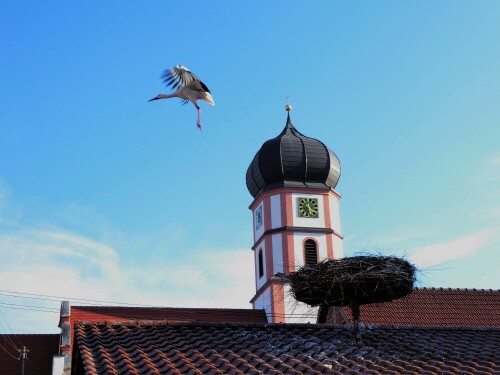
199,123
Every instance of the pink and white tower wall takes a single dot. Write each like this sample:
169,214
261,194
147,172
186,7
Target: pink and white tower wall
296,219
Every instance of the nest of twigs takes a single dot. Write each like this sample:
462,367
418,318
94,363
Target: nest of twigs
356,280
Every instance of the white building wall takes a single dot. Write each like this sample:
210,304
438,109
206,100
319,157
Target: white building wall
260,280
298,247
275,211
298,312
307,221
264,302
338,247
58,365
335,214
277,241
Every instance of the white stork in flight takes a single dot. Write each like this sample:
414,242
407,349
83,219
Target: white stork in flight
188,87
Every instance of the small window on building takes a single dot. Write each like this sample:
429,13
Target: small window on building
261,264
310,252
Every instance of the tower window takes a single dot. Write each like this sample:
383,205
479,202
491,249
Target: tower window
261,264
310,252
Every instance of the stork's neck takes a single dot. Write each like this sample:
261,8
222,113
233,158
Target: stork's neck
166,96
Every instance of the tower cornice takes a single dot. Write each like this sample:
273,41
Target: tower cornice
290,189
276,279
295,229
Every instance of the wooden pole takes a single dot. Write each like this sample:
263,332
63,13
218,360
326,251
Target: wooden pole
24,356
355,311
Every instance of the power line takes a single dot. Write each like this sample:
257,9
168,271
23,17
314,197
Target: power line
28,307
21,308
60,298
27,297
45,297
214,311
10,354
10,328
9,341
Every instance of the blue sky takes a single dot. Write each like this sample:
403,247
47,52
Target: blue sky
108,197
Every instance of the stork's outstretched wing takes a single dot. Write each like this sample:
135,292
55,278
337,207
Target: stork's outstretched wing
179,76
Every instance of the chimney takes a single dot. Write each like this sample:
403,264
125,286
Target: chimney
65,342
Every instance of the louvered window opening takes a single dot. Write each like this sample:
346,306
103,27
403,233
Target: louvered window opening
261,264
311,252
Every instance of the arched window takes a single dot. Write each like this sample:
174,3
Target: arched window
261,264
310,252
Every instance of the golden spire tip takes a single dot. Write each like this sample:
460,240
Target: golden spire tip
288,107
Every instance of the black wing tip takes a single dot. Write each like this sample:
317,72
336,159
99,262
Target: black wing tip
204,87
169,79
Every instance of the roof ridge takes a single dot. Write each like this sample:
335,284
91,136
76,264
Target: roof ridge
363,327
428,327
30,334
170,322
166,307
457,289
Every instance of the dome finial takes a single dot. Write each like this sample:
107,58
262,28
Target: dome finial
288,107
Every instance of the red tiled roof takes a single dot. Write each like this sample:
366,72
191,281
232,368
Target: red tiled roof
42,349
121,314
433,307
218,348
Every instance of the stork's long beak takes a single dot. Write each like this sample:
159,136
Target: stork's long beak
155,98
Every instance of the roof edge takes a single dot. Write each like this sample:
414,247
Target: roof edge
165,308
150,323
458,289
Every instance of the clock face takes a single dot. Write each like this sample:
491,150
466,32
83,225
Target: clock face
258,217
308,207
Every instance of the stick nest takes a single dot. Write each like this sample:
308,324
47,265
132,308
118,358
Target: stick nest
353,281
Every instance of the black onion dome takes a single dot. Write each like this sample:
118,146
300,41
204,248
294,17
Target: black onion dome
292,160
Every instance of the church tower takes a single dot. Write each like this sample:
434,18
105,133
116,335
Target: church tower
296,218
